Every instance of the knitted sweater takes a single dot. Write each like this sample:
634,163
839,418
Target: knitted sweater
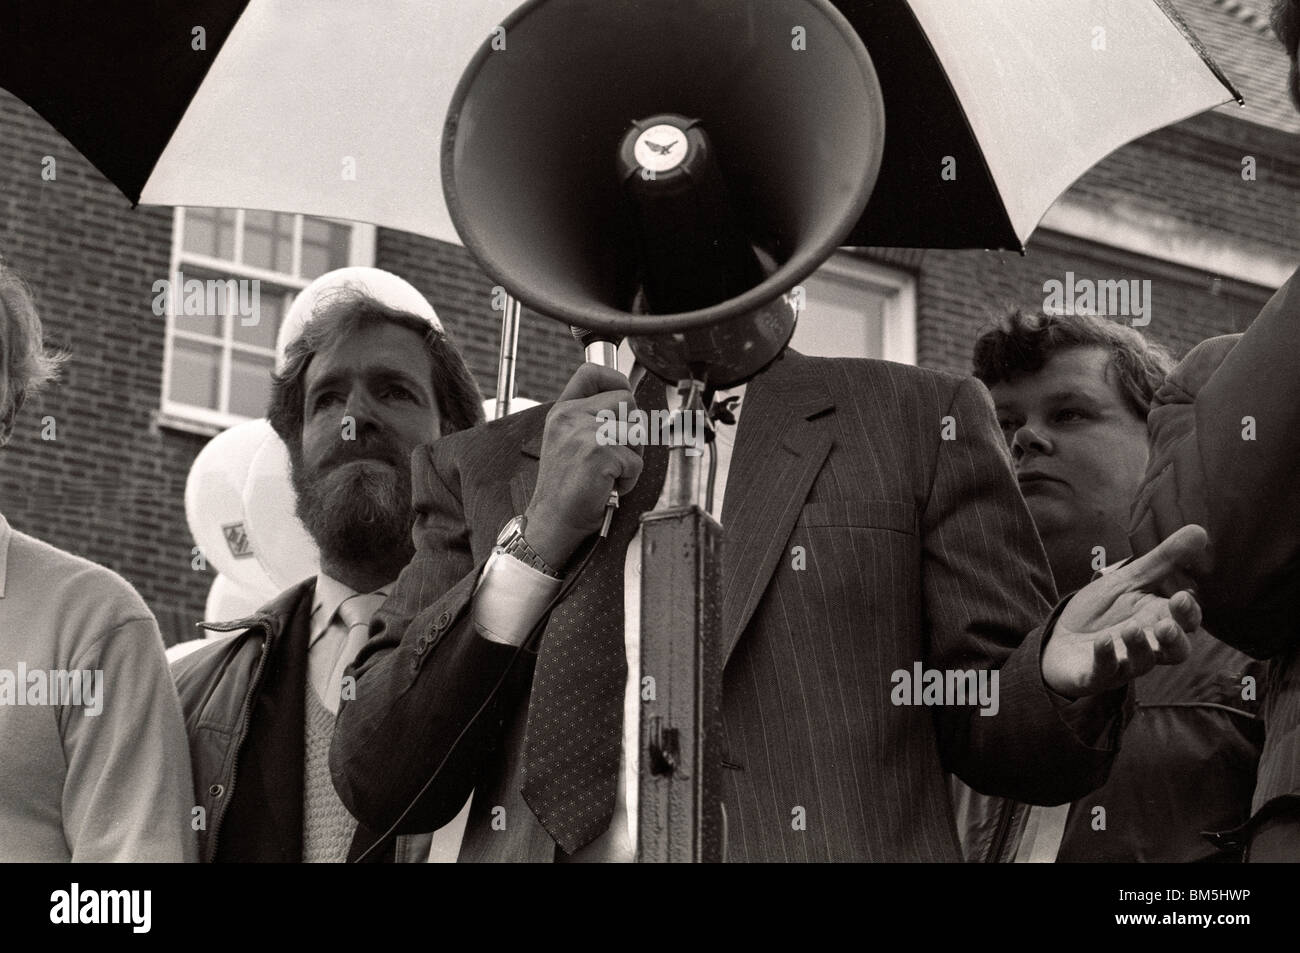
327,827
95,760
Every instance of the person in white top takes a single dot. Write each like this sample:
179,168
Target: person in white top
96,767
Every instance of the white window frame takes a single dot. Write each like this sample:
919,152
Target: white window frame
898,288
361,251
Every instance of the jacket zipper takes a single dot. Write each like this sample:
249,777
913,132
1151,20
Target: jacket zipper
245,718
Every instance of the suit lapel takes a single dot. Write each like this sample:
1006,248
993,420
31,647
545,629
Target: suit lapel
782,442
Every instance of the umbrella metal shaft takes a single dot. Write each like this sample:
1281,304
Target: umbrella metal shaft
510,315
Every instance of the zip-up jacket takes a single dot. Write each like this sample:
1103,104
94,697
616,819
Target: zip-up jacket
244,702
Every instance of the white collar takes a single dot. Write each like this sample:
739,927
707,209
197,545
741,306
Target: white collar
330,594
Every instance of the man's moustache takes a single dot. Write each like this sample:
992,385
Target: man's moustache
371,454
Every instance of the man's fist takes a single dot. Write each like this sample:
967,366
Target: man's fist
577,472
1120,626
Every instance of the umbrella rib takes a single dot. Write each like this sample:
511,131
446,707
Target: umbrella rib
1176,18
970,130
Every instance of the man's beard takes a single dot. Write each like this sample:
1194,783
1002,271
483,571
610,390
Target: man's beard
356,504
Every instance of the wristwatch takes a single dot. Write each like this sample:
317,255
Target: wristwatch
511,542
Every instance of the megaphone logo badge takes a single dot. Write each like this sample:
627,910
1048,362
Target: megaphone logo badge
237,540
661,148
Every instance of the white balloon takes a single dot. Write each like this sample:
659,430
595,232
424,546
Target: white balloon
384,286
283,546
182,649
516,404
227,601
214,505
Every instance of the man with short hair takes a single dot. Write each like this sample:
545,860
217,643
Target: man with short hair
92,744
889,479
1072,394
370,377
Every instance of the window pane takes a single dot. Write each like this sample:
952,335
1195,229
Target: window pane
250,384
268,240
843,318
202,300
273,301
257,239
209,324
324,246
225,218
200,231
209,231
195,377
284,243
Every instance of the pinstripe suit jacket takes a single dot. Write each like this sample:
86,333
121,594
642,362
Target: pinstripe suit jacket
918,549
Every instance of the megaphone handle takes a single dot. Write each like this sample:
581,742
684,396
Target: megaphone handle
605,353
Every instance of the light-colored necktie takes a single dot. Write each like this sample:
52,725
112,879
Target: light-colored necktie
354,613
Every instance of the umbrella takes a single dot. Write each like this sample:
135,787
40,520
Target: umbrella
993,107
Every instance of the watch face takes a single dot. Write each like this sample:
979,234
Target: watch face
508,531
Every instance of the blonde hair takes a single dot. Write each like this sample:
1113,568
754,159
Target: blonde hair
27,364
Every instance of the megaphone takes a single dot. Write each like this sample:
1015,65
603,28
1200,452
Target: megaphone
576,107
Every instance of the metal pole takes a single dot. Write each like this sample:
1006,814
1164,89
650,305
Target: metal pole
680,814
510,315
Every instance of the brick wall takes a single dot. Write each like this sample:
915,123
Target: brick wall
110,487
1189,174
960,292
462,295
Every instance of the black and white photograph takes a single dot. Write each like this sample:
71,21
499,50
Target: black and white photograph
651,431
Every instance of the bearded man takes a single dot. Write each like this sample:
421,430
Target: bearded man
370,377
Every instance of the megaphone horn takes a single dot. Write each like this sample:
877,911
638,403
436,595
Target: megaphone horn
667,170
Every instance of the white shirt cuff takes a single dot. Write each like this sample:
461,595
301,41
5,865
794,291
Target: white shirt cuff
511,596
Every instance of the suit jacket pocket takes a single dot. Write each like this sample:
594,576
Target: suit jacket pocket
895,515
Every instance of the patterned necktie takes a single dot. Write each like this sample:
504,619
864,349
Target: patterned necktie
355,613
575,713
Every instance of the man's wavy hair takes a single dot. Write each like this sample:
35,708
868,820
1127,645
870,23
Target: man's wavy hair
342,313
1023,341
1286,24
29,367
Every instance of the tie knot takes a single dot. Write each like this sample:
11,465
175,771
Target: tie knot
357,610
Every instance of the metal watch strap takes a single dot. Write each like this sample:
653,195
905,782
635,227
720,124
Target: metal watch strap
517,547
